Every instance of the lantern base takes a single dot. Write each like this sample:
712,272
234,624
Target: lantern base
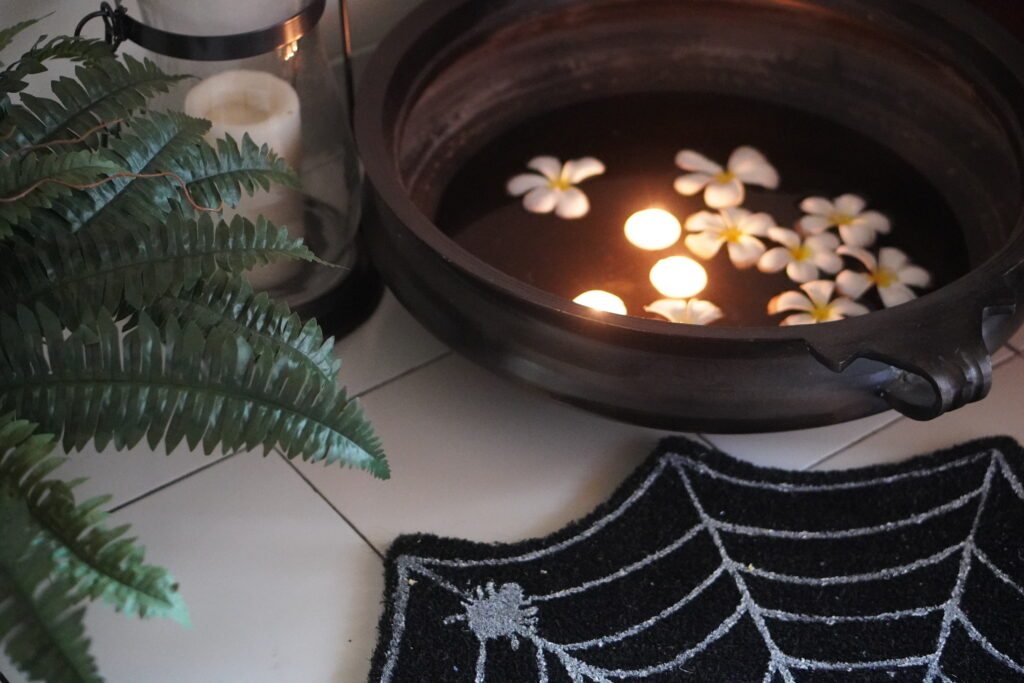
340,297
346,306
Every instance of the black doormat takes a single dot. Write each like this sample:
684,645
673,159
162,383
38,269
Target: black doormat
705,568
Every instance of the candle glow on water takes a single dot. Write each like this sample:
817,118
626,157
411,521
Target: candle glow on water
600,300
679,277
653,229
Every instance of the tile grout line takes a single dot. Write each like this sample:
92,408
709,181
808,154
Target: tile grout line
402,375
190,473
1014,354
172,482
859,439
331,505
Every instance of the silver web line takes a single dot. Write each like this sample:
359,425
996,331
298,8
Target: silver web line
952,607
1011,478
747,530
542,665
398,621
981,640
776,656
644,625
481,664
577,668
999,573
782,615
854,578
627,570
558,547
787,487
818,665
439,580
769,674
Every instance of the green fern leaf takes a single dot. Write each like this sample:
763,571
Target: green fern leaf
103,92
156,143
222,175
34,180
41,626
101,562
12,78
136,264
229,302
176,383
7,34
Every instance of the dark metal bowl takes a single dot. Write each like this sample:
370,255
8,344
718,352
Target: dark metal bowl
934,81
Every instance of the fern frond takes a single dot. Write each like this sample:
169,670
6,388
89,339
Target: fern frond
12,78
102,563
101,92
230,303
155,143
136,264
34,180
176,383
41,626
7,34
222,175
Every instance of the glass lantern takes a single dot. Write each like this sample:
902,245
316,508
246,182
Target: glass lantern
260,68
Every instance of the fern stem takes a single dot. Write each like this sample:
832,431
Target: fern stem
178,387
47,145
67,283
162,174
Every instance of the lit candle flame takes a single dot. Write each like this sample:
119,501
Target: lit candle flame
653,229
600,300
288,50
679,277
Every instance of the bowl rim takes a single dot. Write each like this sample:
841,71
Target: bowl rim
985,281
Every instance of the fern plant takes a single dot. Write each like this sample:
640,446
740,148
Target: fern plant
124,316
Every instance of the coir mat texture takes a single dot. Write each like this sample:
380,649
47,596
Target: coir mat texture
704,568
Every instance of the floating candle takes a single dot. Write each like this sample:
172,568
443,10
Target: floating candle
600,300
653,229
679,277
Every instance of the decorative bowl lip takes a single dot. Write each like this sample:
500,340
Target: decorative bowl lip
988,276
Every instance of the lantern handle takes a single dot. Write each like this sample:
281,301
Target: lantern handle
113,23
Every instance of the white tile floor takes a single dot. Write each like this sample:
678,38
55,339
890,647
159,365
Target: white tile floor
280,565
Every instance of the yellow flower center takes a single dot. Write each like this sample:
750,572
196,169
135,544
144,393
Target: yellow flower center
801,253
884,278
841,219
732,234
821,313
560,183
724,177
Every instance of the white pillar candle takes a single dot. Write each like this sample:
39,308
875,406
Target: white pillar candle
266,107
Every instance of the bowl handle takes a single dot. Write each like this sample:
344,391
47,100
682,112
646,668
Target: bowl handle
946,370
928,387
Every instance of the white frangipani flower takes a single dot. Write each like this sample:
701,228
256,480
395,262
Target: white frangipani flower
814,304
891,274
686,311
857,227
724,187
736,227
553,187
801,257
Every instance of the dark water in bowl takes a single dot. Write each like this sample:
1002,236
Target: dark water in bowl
637,138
